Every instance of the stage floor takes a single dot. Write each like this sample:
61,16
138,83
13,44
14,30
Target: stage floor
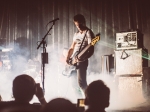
143,107
127,96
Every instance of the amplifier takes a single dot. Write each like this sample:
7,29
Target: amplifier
128,40
128,62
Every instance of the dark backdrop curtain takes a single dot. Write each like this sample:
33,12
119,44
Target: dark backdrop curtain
24,22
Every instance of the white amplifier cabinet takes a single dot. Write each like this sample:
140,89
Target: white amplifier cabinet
128,62
128,40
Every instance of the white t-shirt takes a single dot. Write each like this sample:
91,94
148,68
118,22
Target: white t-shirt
78,37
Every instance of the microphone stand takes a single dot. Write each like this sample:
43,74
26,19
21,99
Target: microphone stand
44,55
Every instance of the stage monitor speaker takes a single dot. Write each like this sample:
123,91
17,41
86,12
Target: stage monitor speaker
128,62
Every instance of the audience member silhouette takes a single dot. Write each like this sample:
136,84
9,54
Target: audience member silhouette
97,96
24,88
0,98
59,105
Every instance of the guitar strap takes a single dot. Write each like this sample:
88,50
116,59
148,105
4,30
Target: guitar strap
82,42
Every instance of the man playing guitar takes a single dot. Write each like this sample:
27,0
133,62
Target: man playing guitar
81,39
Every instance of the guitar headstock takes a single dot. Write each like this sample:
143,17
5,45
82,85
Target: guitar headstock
97,38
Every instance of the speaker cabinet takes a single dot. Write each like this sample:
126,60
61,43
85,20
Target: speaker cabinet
146,82
129,62
130,88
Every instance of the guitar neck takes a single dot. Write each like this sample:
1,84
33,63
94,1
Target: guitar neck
97,38
84,50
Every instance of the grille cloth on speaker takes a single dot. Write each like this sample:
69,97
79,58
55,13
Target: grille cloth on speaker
128,62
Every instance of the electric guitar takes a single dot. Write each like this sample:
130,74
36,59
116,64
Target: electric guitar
79,55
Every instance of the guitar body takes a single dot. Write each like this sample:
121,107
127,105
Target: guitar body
68,70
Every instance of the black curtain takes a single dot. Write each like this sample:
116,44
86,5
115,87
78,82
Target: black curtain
24,22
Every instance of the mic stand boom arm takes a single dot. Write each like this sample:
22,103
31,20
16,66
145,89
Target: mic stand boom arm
44,55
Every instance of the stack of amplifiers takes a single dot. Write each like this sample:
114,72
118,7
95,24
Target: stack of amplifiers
130,62
129,40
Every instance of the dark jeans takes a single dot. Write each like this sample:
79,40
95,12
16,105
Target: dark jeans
81,74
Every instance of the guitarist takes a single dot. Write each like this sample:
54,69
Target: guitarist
81,39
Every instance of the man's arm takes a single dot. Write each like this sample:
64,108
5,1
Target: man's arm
88,53
70,52
40,94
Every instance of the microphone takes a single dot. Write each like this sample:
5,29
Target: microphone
54,20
